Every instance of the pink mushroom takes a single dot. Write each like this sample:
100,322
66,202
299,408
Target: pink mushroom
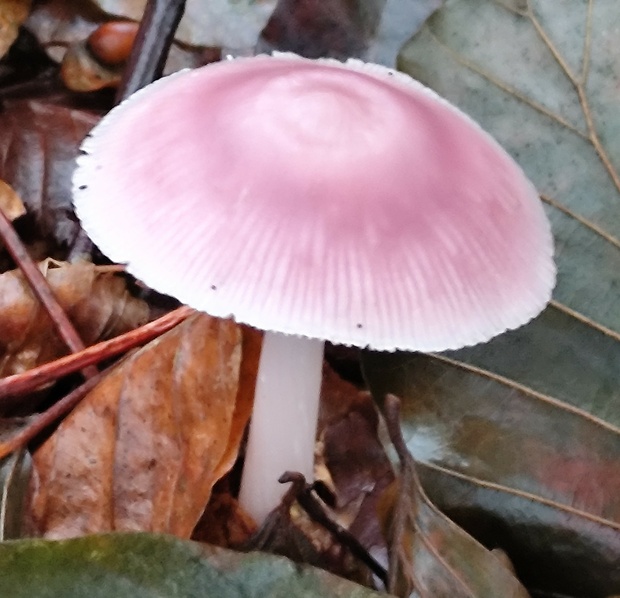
316,200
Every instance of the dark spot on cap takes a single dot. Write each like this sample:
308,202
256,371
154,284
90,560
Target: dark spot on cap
82,187
359,326
213,287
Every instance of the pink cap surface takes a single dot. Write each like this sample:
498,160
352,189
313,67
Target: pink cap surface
346,202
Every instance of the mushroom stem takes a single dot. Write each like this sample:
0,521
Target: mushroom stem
284,419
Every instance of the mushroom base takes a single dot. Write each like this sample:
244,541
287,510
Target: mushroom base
284,419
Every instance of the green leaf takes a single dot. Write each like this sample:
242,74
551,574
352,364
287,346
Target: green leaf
144,565
519,439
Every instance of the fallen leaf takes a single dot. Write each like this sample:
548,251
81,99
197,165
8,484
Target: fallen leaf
519,439
80,71
143,566
59,23
370,29
518,469
544,82
12,14
38,145
315,28
224,523
429,554
10,203
95,299
251,342
359,469
14,475
144,448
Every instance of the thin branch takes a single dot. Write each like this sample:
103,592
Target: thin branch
146,62
150,50
53,414
41,289
314,509
33,379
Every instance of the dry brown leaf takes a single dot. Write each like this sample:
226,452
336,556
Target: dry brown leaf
80,71
359,469
224,523
10,203
12,14
58,23
39,142
95,299
252,340
143,450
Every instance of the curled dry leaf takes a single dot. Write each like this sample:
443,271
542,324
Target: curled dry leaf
99,61
80,71
59,23
224,523
95,299
374,30
38,145
12,14
429,554
358,466
144,448
10,203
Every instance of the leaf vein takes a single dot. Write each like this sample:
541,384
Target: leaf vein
509,89
504,380
526,495
584,221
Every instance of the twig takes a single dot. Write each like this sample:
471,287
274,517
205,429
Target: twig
41,289
153,41
317,513
33,379
55,412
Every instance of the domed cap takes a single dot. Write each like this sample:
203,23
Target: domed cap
341,201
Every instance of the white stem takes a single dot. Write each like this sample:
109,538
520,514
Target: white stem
284,419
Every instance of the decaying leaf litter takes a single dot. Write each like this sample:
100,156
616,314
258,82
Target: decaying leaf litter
559,372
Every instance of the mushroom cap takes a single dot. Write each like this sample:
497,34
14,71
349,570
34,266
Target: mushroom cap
341,201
